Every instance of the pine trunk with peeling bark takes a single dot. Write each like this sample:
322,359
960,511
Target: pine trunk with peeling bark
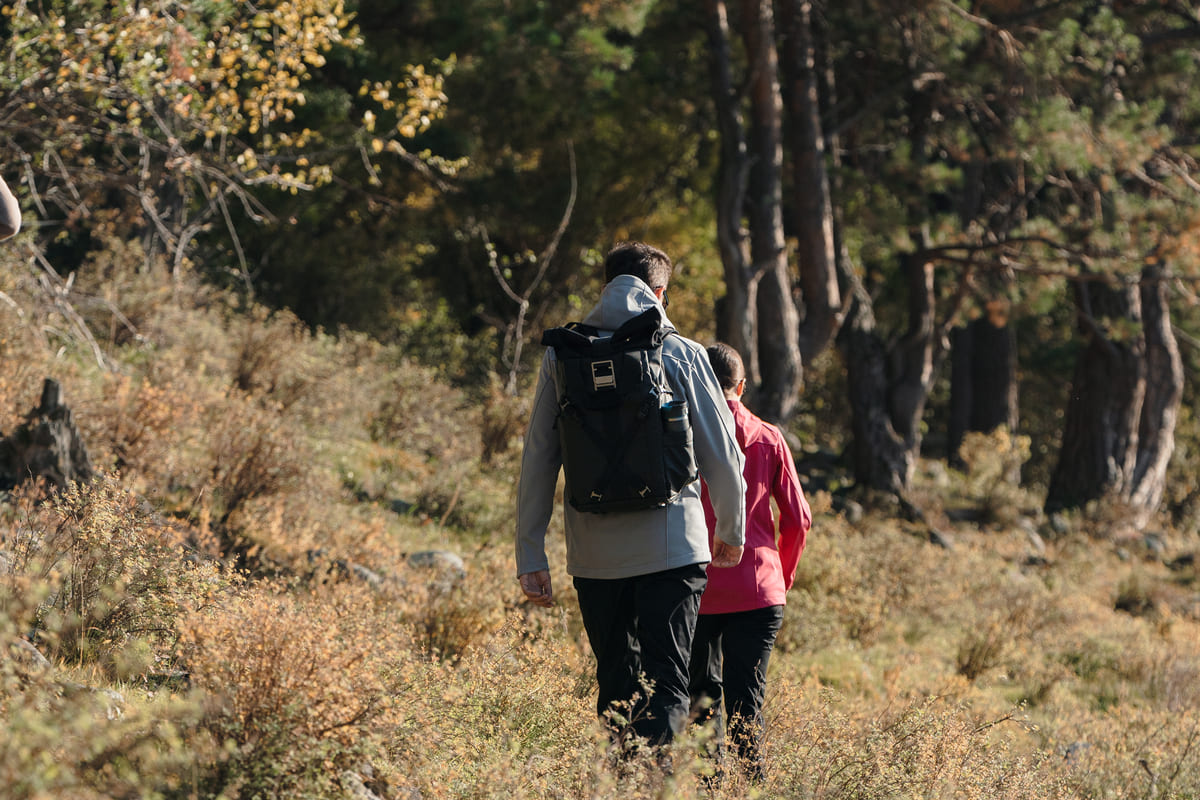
1120,427
775,397
1164,393
820,296
737,311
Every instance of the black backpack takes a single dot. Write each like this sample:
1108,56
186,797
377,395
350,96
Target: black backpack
626,444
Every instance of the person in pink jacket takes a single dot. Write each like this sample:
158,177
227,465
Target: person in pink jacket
741,610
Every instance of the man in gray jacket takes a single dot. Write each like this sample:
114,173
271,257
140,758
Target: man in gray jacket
638,574
10,212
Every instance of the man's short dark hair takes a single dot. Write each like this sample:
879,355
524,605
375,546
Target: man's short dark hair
727,365
640,260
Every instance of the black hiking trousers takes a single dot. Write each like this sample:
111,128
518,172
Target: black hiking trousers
730,654
641,629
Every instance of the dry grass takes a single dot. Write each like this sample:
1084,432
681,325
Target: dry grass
233,439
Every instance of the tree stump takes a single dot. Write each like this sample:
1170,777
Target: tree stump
47,445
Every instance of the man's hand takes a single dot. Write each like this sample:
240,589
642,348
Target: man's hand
725,555
537,588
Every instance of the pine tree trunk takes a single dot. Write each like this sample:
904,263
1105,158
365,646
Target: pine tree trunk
983,385
911,359
1164,392
778,347
812,218
776,395
1100,433
881,459
737,311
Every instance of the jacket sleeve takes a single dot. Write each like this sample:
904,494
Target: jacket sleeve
795,516
10,212
541,461
720,459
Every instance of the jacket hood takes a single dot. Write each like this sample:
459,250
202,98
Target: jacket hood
623,298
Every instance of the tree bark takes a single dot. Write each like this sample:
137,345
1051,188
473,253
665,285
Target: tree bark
47,445
737,313
1100,433
983,387
1163,395
776,395
820,298
881,458
911,360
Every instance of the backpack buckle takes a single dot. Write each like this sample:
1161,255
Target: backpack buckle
604,376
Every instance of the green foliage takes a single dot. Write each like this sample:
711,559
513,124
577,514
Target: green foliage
163,121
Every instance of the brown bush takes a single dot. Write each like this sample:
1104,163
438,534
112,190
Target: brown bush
116,578
294,682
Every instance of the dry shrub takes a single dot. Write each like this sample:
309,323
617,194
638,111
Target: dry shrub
65,741
849,584
448,613
981,649
317,379
1003,614
251,453
502,423
22,375
819,745
993,463
508,721
295,681
1129,752
144,429
438,428
121,289
117,578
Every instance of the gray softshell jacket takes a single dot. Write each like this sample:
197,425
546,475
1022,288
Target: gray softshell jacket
624,544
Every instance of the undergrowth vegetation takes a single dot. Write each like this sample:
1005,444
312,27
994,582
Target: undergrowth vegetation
292,578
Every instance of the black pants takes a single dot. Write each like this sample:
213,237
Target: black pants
641,630
730,653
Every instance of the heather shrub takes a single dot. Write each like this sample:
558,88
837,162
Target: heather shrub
438,429
931,747
64,740
116,578
250,453
143,431
993,470
447,613
474,729
294,681
502,424
848,581
315,379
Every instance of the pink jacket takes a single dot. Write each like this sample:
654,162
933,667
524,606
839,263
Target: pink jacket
768,564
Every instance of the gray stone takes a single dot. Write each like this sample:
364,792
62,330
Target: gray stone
448,568
28,656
